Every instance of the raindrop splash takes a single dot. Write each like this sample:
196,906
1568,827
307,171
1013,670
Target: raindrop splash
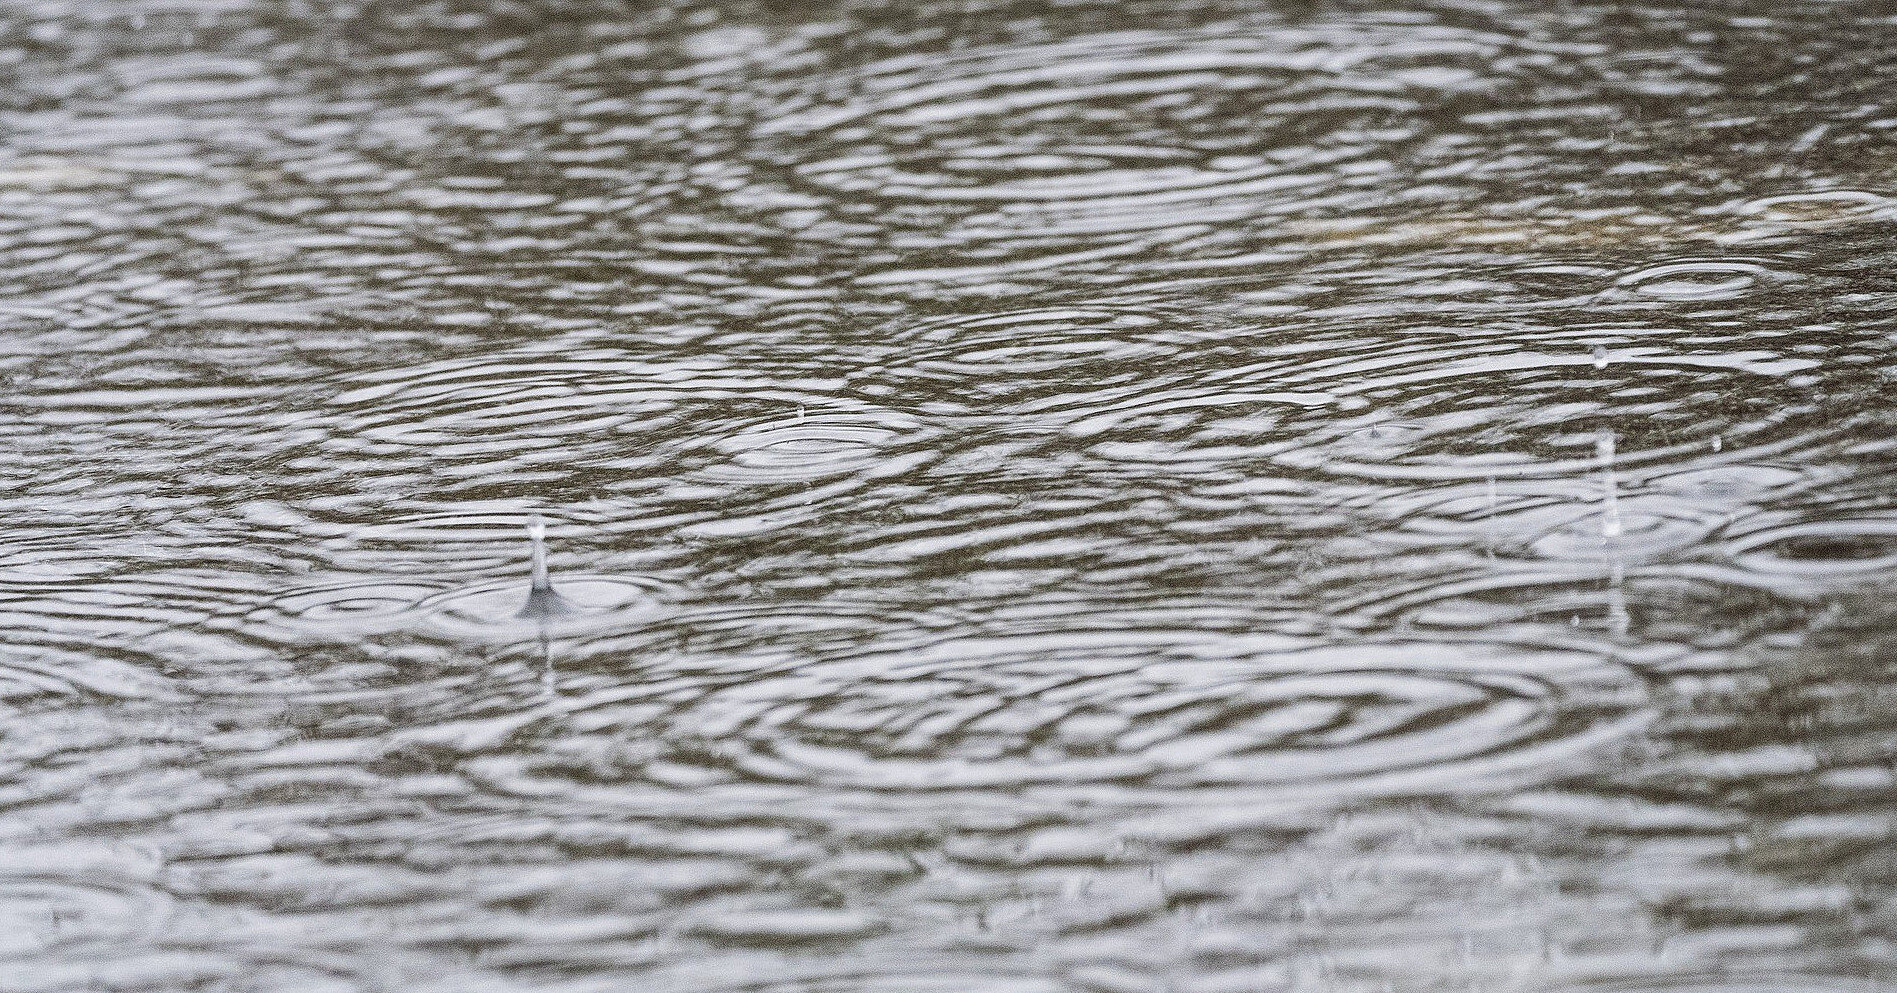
543,602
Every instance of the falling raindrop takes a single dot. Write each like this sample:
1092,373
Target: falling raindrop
1617,616
1610,497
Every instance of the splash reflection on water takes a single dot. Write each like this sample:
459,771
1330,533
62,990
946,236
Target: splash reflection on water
1076,497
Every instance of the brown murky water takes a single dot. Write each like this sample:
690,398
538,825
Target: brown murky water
1049,497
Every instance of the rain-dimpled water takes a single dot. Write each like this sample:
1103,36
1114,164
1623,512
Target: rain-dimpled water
988,496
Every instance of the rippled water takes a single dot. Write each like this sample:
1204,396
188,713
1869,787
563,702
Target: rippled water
1044,497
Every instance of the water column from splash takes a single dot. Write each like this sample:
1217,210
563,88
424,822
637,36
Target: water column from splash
543,602
1611,531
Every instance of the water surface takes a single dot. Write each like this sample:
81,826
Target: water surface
1047,496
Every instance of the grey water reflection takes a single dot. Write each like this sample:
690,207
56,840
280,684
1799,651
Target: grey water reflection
1202,496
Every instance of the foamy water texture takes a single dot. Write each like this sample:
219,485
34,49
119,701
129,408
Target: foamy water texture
1071,497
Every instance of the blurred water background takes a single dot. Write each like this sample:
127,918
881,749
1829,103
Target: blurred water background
1052,495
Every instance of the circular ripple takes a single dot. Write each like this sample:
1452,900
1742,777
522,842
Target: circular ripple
808,445
1470,409
604,407
1058,150
1728,982
364,606
32,673
1005,174
934,139
1585,601
591,601
55,895
1692,279
463,401
918,971
1129,384
1648,525
1382,438
374,606
1564,523
1844,548
1730,482
1167,711
1039,360
1819,208
452,545
1188,428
